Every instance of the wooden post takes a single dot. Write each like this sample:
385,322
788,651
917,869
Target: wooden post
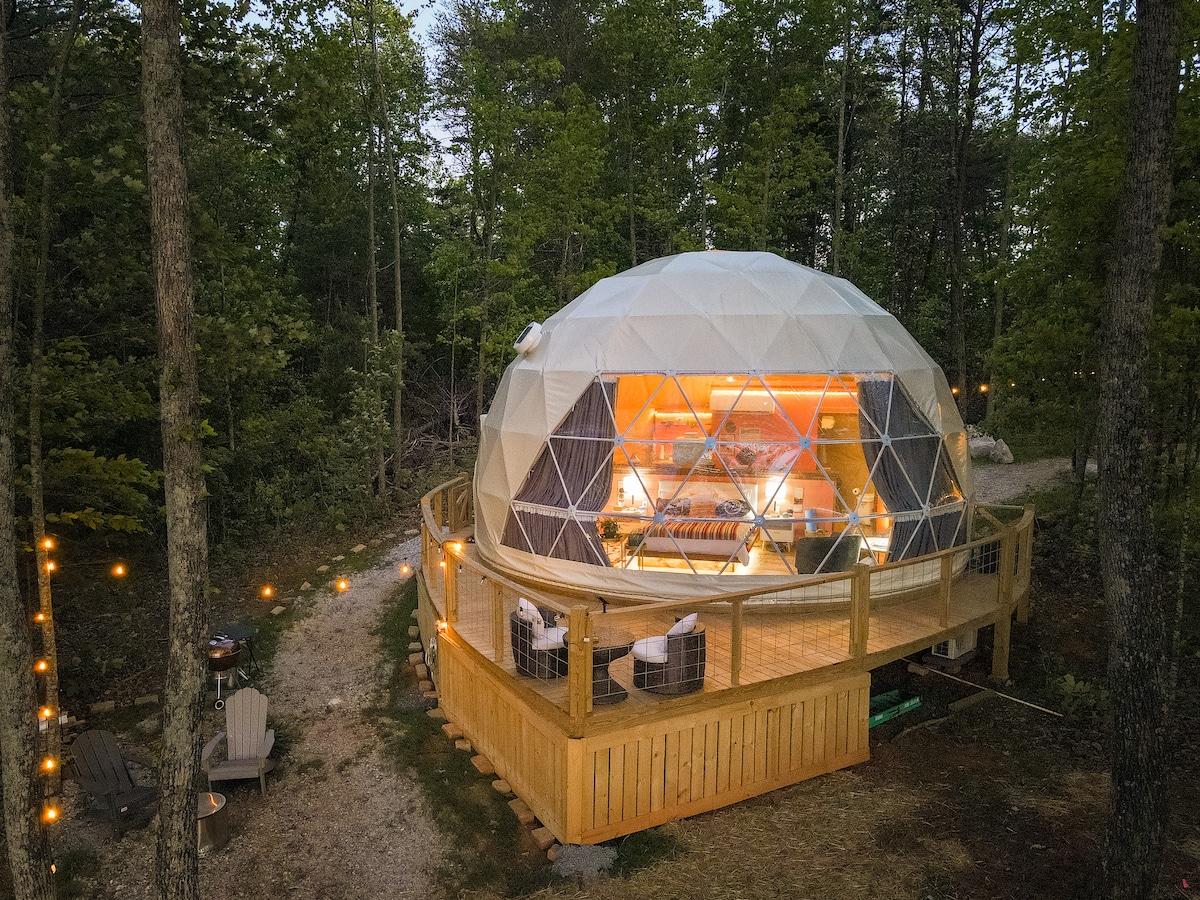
1000,646
450,579
860,608
579,668
944,596
1008,565
735,644
437,511
497,622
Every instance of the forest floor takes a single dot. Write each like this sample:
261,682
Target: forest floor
997,800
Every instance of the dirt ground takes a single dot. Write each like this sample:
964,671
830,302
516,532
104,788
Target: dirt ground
996,801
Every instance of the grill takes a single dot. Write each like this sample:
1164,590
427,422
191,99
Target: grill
223,658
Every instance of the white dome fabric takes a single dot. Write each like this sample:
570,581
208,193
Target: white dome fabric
694,313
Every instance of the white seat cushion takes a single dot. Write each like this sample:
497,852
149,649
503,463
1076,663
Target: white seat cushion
651,649
548,638
527,611
686,625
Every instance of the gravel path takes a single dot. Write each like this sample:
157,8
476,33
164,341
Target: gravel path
339,823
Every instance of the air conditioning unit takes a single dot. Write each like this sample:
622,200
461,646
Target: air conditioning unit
958,646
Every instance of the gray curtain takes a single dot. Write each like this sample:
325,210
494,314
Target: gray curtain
911,470
574,469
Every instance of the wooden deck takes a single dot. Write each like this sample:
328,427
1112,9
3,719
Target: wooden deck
786,684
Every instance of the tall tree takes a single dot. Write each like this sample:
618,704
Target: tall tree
1141,621
28,848
182,432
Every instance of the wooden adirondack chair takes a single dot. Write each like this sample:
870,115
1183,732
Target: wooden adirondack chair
248,741
100,769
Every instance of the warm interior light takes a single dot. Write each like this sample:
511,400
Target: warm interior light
457,547
118,570
442,563
441,625
267,590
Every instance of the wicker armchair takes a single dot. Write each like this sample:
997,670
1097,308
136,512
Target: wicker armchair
672,663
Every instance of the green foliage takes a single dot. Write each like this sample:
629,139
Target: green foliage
1079,697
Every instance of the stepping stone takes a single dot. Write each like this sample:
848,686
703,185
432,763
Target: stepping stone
436,713
430,695
411,532
463,744
500,786
522,811
483,765
425,686
543,837
413,614
148,698
322,568
452,731
415,645
306,586
359,549
103,706
277,610
422,671
415,658
414,631
339,558
552,853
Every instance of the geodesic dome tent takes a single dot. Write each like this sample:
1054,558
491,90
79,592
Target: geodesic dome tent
715,421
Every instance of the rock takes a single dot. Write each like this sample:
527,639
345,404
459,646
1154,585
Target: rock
463,744
322,568
483,765
411,532
422,673
358,548
278,609
306,586
148,698
414,631
103,706
415,646
522,811
500,786
981,447
425,686
452,731
587,861
552,853
1000,453
339,558
543,837
436,713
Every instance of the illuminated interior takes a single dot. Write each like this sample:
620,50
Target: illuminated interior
740,474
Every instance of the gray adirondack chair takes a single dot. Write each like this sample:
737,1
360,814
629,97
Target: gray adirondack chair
248,741
100,769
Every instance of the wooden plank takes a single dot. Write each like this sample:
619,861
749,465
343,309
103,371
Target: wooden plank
724,753
819,730
711,757
683,783
761,743
657,771
616,783
671,770
736,749
698,747
784,750
600,810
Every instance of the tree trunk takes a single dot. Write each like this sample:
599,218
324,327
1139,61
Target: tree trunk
1141,622
28,847
52,736
187,552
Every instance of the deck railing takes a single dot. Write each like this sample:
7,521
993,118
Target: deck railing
803,625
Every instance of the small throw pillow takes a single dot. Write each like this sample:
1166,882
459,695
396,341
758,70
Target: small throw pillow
528,612
686,625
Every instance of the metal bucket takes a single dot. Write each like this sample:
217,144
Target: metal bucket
212,822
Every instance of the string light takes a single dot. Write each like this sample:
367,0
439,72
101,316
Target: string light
45,712
342,584
50,814
48,543
41,666
51,565
405,569
267,591
48,764
119,570
39,617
